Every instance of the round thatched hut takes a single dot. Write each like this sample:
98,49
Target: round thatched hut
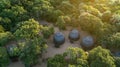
87,41
13,52
58,39
74,35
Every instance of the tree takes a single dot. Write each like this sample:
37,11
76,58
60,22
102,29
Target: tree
31,49
1,29
56,61
90,9
42,9
4,4
82,63
47,31
4,59
99,57
90,23
75,53
102,7
27,29
56,3
10,17
117,61
67,8
106,32
5,37
113,41
115,20
106,16
73,57
61,22
13,51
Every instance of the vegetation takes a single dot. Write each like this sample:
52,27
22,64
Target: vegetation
4,59
27,30
30,51
76,57
112,41
5,37
99,57
13,51
20,22
47,31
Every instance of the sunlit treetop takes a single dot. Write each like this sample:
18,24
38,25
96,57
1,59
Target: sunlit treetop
28,29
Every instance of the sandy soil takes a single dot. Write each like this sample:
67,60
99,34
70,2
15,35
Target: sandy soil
51,51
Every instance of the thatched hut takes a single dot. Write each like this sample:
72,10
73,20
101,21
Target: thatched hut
74,35
87,41
13,52
58,39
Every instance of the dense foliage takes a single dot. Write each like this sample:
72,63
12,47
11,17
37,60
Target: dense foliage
4,59
27,29
47,31
31,49
20,22
99,57
5,37
76,57
112,41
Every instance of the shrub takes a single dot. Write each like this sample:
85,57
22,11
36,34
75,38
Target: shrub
30,51
1,29
113,41
27,29
4,59
5,37
56,61
13,51
117,61
47,31
61,22
99,57
90,23
116,21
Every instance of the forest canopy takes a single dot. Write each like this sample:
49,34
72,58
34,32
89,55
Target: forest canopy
22,26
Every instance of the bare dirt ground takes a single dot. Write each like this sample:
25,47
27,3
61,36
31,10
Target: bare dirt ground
51,50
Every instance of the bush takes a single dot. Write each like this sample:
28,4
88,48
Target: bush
47,31
106,16
91,10
56,61
72,57
116,21
4,59
5,37
99,57
30,51
76,53
28,55
117,61
1,29
113,41
13,51
61,22
27,29
90,23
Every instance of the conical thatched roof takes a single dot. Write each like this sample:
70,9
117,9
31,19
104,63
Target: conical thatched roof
74,35
59,38
88,41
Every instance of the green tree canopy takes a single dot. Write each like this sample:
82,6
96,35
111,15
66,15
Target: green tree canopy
4,59
27,29
99,57
5,37
90,23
